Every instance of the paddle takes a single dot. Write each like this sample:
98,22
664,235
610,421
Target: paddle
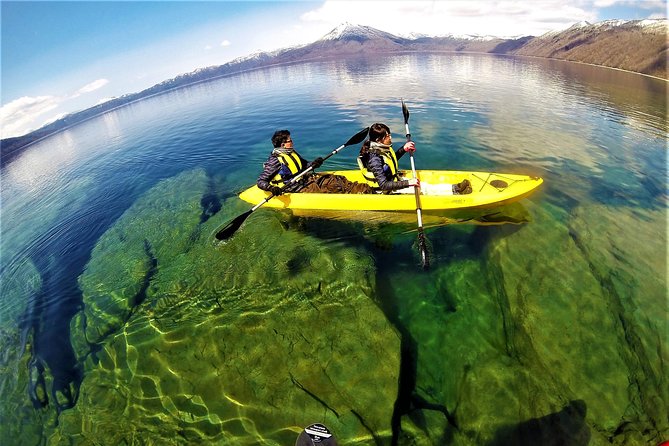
422,245
235,224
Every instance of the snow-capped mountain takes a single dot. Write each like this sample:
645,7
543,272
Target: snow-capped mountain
651,25
259,56
612,43
348,31
633,45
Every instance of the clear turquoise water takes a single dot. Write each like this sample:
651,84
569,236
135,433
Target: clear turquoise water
547,326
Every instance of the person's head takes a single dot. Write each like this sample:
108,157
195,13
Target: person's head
281,138
379,132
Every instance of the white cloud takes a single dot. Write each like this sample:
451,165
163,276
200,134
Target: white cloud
90,87
605,3
645,4
95,85
224,43
27,113
483,17
21,115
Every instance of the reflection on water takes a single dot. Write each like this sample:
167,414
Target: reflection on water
539,321
509,214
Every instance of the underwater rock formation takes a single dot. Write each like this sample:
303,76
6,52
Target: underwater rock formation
21,418
186,341
551,351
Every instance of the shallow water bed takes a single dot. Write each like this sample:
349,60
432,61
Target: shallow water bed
543,322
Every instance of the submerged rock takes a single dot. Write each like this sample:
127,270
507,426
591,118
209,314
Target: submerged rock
621,246
238,343
160,224
515,351
24,410
20,282
559,322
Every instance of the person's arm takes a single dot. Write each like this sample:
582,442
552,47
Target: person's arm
375,165
315,164
305,163
270,169
408,147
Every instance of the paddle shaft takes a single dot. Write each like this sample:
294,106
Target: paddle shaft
419,209
297,177
232,227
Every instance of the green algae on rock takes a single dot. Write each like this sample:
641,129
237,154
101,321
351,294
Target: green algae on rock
573,325
621,246
509,348
123,260
239,343
19,285
21,421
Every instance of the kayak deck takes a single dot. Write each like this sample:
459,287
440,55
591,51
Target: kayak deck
488,190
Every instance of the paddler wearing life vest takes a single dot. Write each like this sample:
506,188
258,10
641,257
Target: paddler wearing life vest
379,165
284,163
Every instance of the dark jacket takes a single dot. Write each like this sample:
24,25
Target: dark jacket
386,180
272,166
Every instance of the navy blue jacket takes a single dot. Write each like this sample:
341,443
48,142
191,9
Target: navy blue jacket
272,166
386,180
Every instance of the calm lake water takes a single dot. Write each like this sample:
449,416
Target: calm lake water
542,322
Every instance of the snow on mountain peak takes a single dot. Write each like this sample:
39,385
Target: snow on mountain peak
581,24
337,32
340,31
657,25
349,30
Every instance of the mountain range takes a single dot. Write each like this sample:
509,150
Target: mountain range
636,45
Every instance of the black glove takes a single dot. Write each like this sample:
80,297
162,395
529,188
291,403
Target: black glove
316,163
276,190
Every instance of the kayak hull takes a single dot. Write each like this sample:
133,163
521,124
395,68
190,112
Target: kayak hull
488,190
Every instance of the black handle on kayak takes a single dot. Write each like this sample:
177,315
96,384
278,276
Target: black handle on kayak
422,244
229,229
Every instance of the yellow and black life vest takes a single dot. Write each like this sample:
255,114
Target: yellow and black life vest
389,159
290,162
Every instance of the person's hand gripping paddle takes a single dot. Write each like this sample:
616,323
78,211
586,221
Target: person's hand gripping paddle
229,229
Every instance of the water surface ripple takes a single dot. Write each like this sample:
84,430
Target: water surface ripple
542,322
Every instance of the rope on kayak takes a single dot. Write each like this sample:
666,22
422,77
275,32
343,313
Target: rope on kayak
497,184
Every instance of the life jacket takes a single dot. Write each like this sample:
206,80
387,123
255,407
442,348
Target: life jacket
291,165
389,160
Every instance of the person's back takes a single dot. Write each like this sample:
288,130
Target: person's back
284,164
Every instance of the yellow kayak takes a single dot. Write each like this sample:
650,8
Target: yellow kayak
488,190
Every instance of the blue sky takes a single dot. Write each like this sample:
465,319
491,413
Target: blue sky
60,57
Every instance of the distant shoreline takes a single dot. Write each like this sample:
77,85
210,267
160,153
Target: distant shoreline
20,148
588,42
590,64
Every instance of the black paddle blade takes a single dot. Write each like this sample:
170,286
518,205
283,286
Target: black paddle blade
232,227
422,246
405,111
235,224
358,137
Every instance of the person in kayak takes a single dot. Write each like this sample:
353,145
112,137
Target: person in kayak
284,163
379,166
